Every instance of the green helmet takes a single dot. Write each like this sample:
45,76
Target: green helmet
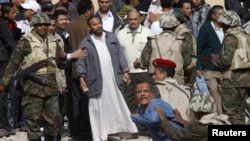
168,20
202,103
230,18
40,18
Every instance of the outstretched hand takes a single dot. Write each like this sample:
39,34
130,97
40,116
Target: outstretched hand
80,53
160,112
178,117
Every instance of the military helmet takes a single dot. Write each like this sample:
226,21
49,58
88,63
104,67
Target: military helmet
230,18
168,20
202,103
40,18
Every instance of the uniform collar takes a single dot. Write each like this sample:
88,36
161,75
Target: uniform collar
41,39
138,30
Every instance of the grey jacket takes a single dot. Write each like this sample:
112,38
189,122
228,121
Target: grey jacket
90,67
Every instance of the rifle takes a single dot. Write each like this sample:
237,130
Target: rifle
202,57
33,68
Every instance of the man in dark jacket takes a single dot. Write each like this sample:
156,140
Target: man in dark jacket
78,29
7,44
209,41
240,7
110,19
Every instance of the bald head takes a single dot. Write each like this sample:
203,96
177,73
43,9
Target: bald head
133,19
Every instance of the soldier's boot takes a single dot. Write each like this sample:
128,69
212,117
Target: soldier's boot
50,138
39,139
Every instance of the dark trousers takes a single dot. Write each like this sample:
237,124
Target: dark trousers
12,101
80,128
3,103
3,111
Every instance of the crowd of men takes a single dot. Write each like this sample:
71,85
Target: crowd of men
170,67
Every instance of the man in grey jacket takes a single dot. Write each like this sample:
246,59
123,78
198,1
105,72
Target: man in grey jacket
101,74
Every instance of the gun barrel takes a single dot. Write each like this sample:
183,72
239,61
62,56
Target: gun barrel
33,67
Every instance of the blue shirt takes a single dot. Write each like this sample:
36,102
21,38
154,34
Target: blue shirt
202,85
151,119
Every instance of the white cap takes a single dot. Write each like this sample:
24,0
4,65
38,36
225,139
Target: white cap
31,4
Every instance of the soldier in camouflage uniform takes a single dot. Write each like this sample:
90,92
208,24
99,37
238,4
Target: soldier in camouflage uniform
170,23
38,99
196,129
235,78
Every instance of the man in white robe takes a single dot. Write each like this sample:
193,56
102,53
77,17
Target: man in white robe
102,72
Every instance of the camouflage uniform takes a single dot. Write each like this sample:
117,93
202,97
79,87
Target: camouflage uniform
38,99
192,131
187,48
196,130
235,82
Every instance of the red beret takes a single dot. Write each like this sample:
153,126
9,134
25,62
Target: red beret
162,63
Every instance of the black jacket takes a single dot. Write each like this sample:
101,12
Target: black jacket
7,43
236,6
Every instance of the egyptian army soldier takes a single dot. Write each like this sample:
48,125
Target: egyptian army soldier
196,129
40,95
178,96
188,48
234,63
174,43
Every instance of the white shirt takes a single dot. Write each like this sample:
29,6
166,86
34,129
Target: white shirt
108,22
219,32
133,47
24,25
155,28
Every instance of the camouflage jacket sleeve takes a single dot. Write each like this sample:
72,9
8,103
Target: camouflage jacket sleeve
146,54
192,131
22,49
228,48
187,49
